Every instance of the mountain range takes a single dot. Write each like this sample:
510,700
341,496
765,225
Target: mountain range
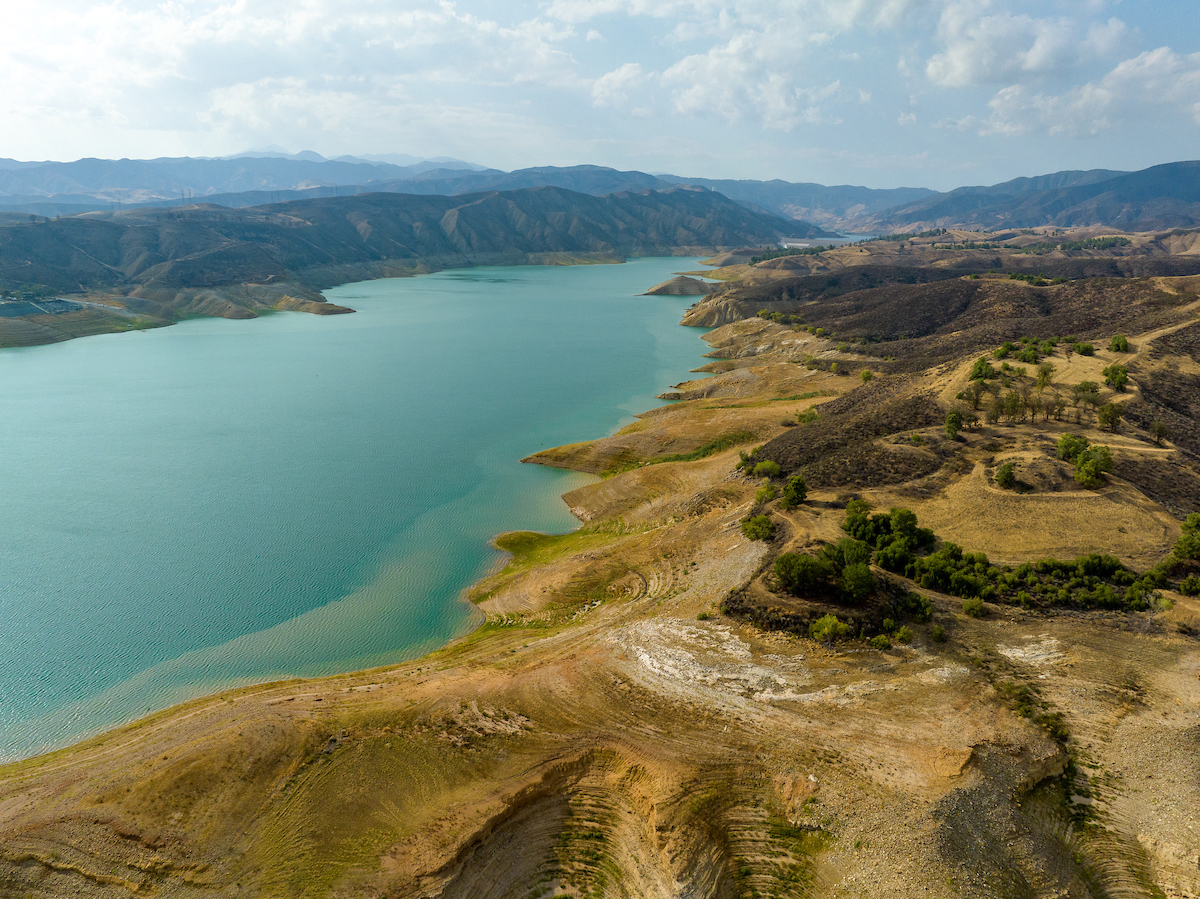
1163,197
320,242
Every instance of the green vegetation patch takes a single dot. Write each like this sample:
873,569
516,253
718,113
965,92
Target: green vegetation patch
1088,582
789,251
718,445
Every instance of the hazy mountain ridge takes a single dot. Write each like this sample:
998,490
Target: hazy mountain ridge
318,242
1166,196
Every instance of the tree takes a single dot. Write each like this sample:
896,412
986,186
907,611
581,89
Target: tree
1158,430
1119,344
995,410
795,492
1188,544
975,392
857,582
866,375
1045,373
954,424
982,369
1071,446
1109,416
803,575
1116,376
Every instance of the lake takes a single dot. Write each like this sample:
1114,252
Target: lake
227,502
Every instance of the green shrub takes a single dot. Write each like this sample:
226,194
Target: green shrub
881,642
914,605
974,607
1006,476
767,469
795,491
904,635
1116,376
1190,586
1188,544
803,575
1119,344
982,369
938,633
765,494
856,582
1084,349
954,424
703,616
759,527
828,629
1070,446
866,375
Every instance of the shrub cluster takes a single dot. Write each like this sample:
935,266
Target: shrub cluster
841,569
1091,462
1093,581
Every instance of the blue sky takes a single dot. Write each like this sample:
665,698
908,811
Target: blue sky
884,93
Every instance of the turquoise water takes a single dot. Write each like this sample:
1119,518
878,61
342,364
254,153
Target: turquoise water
223,502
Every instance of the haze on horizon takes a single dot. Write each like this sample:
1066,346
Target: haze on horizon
932,93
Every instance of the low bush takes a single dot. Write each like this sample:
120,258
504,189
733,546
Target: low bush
767,469
759,527
1006,476
765,494
795,491
1190,586
974,607
881,642
828,628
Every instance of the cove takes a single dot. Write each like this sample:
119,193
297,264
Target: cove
228,502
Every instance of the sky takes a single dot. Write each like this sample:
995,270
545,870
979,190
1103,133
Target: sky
883,93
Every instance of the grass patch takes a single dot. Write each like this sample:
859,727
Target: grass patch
720,444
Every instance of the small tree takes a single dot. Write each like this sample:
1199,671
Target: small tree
954,424
1006,476
1071,446
1045,373
1109,416
1158,430
803,575
1116,376
1119,344
795,492
866,375
856,582
982,369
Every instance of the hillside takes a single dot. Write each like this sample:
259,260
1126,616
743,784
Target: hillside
1158,198
305,241
913,678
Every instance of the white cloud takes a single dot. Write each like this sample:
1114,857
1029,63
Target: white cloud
613,88
1159,82
980,48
